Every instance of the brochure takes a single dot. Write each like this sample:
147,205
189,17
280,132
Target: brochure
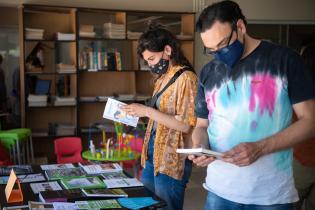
45,186
114,175
64,206
25,178
18,169
199,152
113,112
24,207
56,166
101,168
121,183
40,206
64,173
83,182
137,203
97,204
104,192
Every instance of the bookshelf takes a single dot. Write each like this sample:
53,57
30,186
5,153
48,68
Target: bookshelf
103,53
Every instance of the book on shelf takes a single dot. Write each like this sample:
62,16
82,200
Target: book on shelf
61,195
25,178
113,112
18,169
65,101
37,100
45,186
63,68
87,31
92,58
114,175
40,133
200,151
98,204
133,34
65,36
34,33
88,98
122,183
57,166
114,31
126,97
91,168
64,130
63,85
82,183
104,192
56,174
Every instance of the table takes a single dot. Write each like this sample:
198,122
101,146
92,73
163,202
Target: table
30,196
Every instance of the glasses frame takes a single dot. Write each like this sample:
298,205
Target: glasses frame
207,51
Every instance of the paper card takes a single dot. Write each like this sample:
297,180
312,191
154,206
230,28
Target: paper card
113,112
13,195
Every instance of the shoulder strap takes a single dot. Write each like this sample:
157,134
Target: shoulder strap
170,82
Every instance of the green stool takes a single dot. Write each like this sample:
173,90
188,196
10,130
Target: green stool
12,139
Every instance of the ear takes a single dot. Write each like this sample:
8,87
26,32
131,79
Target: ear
241,27
168,50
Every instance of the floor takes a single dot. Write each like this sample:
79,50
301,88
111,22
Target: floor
195,195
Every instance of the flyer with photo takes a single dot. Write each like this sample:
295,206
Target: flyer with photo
113,112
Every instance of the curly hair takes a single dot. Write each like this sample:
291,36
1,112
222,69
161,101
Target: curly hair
155,38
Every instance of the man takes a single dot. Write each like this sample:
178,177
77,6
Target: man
246,96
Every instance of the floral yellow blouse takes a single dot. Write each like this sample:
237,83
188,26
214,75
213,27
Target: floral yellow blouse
177,100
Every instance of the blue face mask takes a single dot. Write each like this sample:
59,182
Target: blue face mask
230,54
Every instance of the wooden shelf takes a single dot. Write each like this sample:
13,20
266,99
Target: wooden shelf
129,80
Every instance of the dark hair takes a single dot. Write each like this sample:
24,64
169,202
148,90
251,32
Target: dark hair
308,56
224,11
155,38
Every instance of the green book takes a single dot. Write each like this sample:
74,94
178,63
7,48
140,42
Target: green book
83,182
65,173
98,204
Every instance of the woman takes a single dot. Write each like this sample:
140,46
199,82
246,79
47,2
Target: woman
165,172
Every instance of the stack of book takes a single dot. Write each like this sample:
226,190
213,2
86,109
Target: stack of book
65,101
64,130
65,36
114,31
37,100
87,31
126,97
63,68
133,35
34,33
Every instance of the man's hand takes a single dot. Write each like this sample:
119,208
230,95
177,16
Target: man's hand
244,154
201,161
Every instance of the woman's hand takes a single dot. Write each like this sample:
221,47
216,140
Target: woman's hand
137,110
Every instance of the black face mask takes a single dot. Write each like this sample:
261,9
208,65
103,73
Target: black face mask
161,67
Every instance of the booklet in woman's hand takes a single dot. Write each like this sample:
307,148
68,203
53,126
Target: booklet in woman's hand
200,151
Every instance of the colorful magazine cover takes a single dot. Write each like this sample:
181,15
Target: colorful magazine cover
101,168
18,169
104,192
56,166
114,175
83,183
45,186
65,173
113,112
98,204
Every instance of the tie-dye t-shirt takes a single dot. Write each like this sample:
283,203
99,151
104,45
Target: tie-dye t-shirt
248,103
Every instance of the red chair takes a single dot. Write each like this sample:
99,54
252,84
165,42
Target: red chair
4,156
136,145
68,150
